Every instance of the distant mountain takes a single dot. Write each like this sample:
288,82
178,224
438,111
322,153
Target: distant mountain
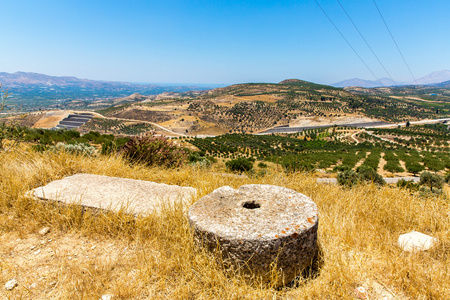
365,83
435,77
432,78
445,84
33,90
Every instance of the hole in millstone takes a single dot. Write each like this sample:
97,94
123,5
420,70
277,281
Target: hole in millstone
251,205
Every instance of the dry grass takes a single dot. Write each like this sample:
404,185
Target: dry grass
88,254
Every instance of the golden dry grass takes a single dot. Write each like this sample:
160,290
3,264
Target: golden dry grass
88,254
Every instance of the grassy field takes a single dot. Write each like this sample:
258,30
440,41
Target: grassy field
88,254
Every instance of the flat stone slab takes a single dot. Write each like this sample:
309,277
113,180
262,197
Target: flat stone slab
415,241
256,226
137,197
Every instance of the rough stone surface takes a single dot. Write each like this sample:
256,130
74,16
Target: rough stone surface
11,284
113,193
44,231
257,225
415,241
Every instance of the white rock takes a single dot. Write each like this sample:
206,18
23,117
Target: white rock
415,241
106,297
361,293
44,231
37,252
11,284
33,285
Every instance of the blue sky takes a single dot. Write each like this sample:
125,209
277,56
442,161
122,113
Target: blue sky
221,42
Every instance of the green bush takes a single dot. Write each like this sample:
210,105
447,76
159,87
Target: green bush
431,180
348,178
408,184
262,165
240,164
447,178
363,174
368,174
200,160
341,168
153,150
79,149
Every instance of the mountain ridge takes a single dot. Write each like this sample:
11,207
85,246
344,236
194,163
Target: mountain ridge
435,77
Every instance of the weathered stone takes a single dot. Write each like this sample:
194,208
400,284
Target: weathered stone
11,284
256,226
415,241
106,297
361,293
113,193
44,231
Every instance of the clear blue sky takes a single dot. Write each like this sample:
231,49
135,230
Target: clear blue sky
221,41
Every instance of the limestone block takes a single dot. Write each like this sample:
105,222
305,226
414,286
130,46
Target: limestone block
415,241
113,193
257,225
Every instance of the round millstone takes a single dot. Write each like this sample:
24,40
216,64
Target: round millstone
257,226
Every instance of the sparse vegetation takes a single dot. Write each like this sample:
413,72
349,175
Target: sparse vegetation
153,150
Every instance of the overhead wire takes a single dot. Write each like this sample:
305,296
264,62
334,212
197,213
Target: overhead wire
365,41
393,39
350,45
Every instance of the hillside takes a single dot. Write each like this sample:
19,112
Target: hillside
255,107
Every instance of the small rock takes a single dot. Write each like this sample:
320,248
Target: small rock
415,241
32,247
44,231
361,293
106,297
11,284
37,252
33,285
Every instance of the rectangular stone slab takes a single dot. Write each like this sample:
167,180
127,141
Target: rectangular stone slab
114,193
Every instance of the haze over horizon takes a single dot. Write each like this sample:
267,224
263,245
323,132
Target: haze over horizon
195,42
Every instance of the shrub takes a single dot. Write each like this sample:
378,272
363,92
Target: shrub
341,168
362,174
197,159
408,184
153,150
368,174
262,165
79,149
348,178
431,180
240,164
447,178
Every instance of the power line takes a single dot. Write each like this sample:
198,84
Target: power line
356,27
387,27
342,35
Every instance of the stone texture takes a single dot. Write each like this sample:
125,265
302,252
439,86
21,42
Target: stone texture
257,225
44,231
11,284
415,241
113,193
